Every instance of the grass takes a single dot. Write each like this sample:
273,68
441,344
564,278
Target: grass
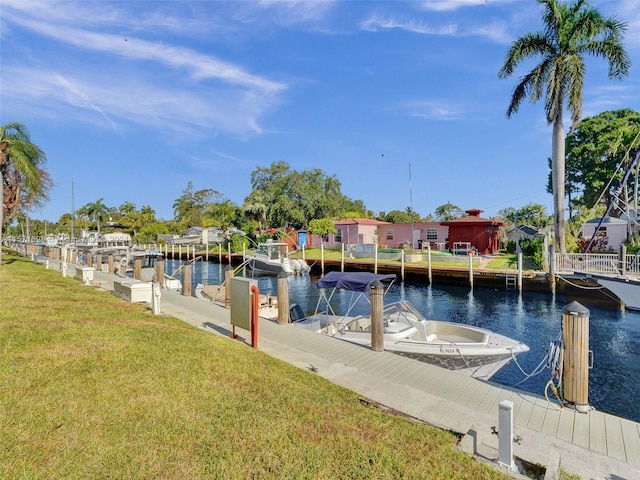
93,387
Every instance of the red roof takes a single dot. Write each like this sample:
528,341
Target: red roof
474,218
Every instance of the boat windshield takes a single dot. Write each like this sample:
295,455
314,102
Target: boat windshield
398,317
272,251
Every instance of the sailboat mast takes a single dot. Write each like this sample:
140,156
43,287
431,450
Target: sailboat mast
73,213
411,206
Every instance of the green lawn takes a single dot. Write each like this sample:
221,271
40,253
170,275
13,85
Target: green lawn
93,387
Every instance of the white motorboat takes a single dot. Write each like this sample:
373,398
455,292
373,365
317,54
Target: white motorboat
472,350
272,258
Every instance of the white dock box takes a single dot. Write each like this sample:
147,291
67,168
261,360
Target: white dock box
84,274
137,291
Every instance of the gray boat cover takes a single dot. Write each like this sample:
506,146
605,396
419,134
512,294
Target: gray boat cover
353,281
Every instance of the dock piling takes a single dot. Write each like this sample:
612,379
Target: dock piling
575,331
376,294
186,281
283,298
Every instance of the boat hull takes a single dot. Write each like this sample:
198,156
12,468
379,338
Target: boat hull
268,268
482,368
625,289
479,360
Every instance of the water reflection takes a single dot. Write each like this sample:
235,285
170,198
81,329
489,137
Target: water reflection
532,317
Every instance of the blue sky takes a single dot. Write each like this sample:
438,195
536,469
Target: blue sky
132,100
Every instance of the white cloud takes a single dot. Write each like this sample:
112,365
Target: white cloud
291,12
431,109
121,100
448,5
378,22
119,77
495,30
201,66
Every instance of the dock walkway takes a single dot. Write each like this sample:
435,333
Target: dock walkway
593,445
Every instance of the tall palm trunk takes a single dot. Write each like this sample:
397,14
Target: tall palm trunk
1,210
557,179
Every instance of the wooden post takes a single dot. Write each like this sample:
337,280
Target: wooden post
186,281
519,271
228,275
375,259
173,251
160,273
137,269
376,295
622,258
575,332
229,251
180,252
255,300
429,264
283,298
342,257
470,270
110,263
402,265
99,262
322,258
552,267
89,259
220,253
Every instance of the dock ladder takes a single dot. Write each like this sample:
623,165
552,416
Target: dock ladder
511,279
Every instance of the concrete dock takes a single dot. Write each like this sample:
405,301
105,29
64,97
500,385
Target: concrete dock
593,445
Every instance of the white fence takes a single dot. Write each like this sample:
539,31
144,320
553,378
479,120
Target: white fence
597,263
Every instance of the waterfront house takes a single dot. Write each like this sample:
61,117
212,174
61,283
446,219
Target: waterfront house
354,231
365,231
474,233
414,235
613,228
523,232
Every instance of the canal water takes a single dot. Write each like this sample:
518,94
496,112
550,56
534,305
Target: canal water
532,317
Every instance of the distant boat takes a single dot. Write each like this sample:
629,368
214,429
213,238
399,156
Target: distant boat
471,350
272,258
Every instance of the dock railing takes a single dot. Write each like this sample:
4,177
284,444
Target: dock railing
608,263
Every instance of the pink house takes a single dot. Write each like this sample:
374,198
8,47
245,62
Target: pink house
416,235
364,231
353,231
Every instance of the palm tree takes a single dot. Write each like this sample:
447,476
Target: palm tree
97,210
570,31
255,209
23,181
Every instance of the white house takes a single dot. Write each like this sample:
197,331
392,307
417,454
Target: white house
613,228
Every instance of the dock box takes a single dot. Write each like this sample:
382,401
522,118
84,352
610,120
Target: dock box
84,274
132,290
